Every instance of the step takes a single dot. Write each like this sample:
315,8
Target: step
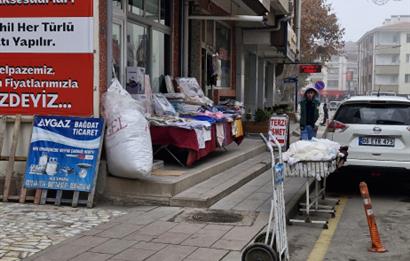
160,189
208,192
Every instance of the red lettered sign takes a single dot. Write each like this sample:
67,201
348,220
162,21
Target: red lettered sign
46,84
310,68
46,8
279,127
46,57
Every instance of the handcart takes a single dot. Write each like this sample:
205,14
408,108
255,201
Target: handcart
319,171
272,245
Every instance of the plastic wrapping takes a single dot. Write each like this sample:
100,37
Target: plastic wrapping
127,140
162,106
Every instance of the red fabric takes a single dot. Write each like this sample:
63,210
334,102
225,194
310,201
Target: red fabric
186,139
179,137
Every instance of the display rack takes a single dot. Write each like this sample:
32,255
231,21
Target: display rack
317,171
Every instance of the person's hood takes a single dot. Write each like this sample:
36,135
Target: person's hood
317,96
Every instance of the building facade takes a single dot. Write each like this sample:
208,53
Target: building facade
384,57
181,38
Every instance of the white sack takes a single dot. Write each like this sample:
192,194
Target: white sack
127,140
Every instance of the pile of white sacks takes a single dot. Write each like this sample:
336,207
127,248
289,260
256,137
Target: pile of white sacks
316,158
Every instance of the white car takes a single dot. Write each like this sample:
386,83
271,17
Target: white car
376,129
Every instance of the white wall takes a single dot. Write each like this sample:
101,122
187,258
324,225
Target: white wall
404,88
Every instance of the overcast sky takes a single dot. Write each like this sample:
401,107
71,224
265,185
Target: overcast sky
361,16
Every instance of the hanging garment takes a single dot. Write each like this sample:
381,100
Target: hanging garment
220,134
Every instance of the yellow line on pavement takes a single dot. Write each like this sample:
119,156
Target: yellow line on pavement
322,244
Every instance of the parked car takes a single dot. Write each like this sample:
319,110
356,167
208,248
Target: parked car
376,129
333,105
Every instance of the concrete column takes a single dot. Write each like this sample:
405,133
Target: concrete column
261,84
240,66
270,88
251,82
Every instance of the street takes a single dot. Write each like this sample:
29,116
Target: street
390,194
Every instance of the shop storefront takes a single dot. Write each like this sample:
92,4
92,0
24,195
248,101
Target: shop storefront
141,40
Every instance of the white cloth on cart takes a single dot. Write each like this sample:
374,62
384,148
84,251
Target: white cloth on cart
311,150
311,159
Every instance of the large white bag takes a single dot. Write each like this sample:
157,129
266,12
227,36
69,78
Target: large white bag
127,140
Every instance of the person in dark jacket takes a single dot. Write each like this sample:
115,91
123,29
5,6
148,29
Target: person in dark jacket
325,114
309,114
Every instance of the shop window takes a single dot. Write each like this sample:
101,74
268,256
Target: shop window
223,48
116,49
137,39
160,56
165,14
117,4
151,8
136,7
210,33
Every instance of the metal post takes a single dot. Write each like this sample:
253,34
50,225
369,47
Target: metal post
296,95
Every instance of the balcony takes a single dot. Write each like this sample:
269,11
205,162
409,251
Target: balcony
259,6
280,6
387,87
387,69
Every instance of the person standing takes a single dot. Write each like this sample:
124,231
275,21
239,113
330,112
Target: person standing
309,114
325,114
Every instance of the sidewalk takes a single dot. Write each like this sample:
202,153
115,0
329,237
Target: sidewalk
174,233
168,233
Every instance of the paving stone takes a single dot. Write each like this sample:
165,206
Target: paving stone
204,238
113,246
171,238
157,228
187,228
137,237
230,244
119,231
106,225
65,252
233,256
133,254
206,254
88,256
218,227
149,246
172,253
88,241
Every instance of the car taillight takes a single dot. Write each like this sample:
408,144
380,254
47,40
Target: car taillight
336,125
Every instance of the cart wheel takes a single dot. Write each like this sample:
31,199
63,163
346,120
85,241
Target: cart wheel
259,252
261,239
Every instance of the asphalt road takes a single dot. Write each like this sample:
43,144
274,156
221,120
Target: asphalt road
348,235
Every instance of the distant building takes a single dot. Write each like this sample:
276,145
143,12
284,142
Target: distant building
340,74
384,57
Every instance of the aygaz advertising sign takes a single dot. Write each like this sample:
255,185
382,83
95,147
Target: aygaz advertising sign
64,153
46,57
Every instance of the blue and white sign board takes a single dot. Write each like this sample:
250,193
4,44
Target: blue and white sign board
64,153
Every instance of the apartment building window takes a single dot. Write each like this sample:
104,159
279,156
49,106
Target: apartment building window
407,78
408,38
408,58
333,83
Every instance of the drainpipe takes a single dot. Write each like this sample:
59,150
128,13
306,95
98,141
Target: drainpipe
181,38
186,37
298,25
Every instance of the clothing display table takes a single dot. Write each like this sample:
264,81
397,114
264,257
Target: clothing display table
171,139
